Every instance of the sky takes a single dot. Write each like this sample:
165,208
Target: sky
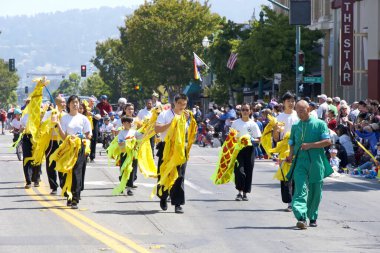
237,10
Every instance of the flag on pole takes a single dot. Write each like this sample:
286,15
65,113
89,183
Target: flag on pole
232,61
198,63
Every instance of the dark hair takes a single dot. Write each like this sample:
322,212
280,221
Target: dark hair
71,98
180,96
84,109
288,95
126,119
125,107
342,129
362,103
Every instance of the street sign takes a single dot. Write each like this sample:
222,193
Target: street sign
277,78
313,79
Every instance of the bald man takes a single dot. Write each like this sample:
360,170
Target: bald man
310,166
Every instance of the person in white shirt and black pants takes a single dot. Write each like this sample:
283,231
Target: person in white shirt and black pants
74,123
246,157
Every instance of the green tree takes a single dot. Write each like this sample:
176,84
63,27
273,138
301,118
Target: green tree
159,40
69,86
270,48
94,85
113,66
8,85
225,42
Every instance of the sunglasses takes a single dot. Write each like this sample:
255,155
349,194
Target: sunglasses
245,110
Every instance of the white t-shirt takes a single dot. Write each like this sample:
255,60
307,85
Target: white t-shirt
165,117
75,124
289,120
250,127
123,134
314,114
16,123
24,120
323,110
106,128
144,113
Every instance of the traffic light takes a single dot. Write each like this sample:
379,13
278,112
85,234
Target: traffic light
137,87
83,70
301,62
26,89
12,66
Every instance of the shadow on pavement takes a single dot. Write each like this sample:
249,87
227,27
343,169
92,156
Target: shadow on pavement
14,182
261,228
342,186
211,200
129,212
251,210
275,185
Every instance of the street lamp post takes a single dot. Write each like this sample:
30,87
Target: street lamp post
261,14
206,44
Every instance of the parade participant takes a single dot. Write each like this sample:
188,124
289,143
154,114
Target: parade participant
128,110
16,124
30,123
308,137
53,145
95,126
121,104
73,127
172,165
246,157
113,120
104,107
126,174
285,120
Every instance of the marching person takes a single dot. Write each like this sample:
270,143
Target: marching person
168,123
95,113
286,120
54,144
246,157
307,140
147,114
76,125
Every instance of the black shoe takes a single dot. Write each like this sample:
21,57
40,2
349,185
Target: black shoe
313,223
301,224
130,193
163,204
289,208
239,197
53,192
74,205
178,209
244,198
28,186
134,186
36,184
69,203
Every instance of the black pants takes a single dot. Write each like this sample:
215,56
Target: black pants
133,175
78,175
50,169
243,171
152,143
177,192
94,141
16,136
31,173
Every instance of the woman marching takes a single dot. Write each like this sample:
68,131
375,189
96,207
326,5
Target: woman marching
70,156
246,156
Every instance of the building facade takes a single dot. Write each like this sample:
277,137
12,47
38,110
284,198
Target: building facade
364,20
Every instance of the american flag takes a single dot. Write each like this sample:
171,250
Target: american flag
232,61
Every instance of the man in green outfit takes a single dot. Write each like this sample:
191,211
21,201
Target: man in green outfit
308,137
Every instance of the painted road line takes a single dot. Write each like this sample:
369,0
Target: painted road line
103,183
128,242
353,184
197,188
113,244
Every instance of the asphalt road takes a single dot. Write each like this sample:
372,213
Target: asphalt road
34,221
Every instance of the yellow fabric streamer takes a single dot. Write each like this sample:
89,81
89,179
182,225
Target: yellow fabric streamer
224,172
175,152
65,158
144,156
285,166
266,138
282,147
114,151
33,109
88,109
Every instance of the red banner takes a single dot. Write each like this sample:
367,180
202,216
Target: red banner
347,43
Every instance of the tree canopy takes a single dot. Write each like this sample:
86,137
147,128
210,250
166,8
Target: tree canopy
69,86
8,85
